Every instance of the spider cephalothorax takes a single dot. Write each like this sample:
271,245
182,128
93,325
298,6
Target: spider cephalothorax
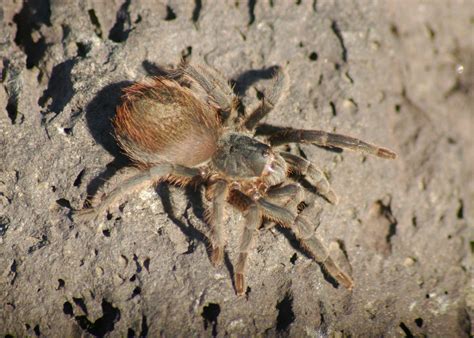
174,133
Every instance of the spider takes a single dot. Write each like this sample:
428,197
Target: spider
188,127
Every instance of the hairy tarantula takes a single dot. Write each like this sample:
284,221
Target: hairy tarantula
186,127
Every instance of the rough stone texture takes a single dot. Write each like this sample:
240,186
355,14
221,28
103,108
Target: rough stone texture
397,73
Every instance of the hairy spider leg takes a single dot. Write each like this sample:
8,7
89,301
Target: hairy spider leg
313,174
326,139
253,219
216,86
215,218
269,100
135,183
315,247
305,233
289,196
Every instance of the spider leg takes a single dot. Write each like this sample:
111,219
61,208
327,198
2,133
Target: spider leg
268,101
134,183
215,217
111,183
306,235
291,195
315,247
312,173
326,139
252,221
215,85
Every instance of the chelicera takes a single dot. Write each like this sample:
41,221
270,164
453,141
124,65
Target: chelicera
187,127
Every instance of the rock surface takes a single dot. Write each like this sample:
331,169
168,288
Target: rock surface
399,74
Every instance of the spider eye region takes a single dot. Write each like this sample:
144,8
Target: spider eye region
266,152
240,156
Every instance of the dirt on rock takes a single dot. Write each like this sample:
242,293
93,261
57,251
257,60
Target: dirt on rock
395,73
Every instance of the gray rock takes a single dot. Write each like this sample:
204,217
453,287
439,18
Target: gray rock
396,74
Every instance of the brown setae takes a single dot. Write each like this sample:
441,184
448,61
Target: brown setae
187,127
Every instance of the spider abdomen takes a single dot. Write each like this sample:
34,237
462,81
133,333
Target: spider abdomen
159,121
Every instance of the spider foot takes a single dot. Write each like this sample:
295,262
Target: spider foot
320,254
331,196
239,284
386,153
340,276
217,256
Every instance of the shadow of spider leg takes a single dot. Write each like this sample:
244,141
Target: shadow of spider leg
326,139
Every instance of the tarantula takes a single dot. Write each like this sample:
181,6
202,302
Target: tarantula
186,127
